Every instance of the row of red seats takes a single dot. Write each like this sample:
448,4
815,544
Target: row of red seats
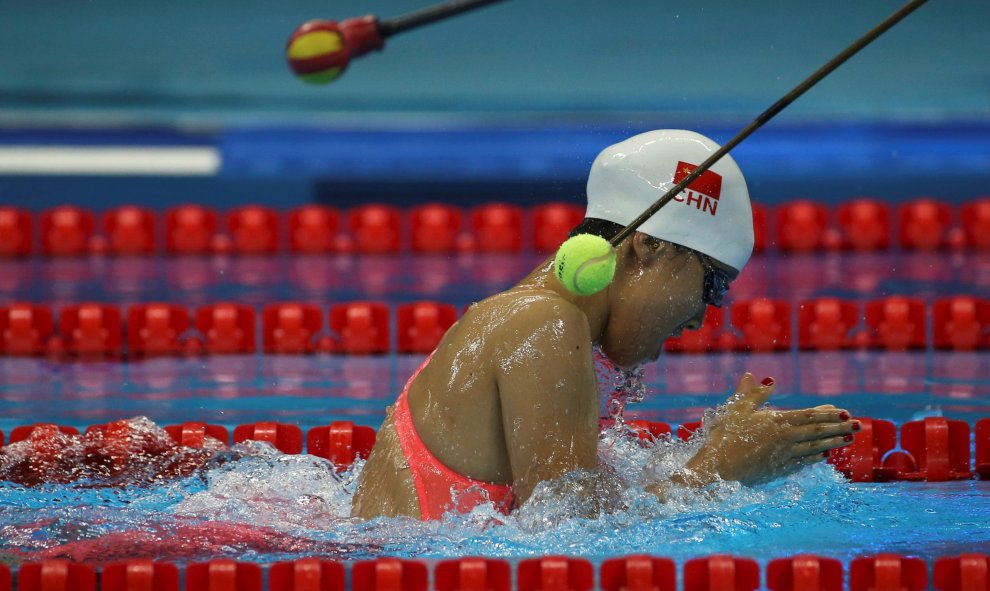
254,229
95,330
341,442
799,226
805,572
934,449
894,323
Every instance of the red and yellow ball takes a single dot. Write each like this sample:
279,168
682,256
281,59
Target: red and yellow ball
317,52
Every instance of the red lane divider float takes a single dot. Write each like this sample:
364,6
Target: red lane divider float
880,572
888,572
861,224
93,330
140,575
389,574
307,574
224,574
638,573
804,573
933,449
473,574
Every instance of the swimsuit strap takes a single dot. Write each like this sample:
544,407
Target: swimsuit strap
437,486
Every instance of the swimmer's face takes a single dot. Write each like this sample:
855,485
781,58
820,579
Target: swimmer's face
658,293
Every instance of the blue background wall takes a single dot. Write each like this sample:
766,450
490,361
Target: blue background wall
522,93
222,60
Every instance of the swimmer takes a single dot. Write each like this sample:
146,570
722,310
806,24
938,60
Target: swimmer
509,399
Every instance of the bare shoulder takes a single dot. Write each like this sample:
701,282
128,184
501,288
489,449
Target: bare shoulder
537,321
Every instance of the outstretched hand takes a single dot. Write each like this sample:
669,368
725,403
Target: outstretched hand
753,445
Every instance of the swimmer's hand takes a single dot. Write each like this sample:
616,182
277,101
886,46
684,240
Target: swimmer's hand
751,445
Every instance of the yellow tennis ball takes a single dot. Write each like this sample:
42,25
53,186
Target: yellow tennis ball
585,264
317,52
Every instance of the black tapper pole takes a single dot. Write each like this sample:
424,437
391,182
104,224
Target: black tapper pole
429,15
768,115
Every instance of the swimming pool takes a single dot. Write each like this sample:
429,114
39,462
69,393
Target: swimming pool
259,505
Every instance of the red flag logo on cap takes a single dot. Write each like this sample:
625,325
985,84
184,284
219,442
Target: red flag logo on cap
703,193
708,183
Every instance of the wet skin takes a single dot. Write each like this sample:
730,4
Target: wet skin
510,396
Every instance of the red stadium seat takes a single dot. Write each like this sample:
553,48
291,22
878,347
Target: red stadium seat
924,224
388,574
190,229
473,574
721,573
865,224
361,327
139,575
824,324
967,572
552,222
194,434
91,330
24,329
801,226
896,323
66,231
253,229
154,329
704,339
313,229
761,213
804,573
341,442
555,573
961,323
306,574
638,573
435,227
888,572
291,327
130,230
765,324
981,463
862,460
422,325
286,438
223,574
5,578
938,448
55,575
15,232
375,229
497,227
229,328
976,223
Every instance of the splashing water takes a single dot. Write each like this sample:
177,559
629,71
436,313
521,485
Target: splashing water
253,503
617,387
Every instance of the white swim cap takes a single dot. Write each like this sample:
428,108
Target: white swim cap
711,215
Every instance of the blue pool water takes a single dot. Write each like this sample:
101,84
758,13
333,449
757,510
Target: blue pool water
256,504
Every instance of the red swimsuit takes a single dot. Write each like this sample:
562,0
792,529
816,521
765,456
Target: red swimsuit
439,488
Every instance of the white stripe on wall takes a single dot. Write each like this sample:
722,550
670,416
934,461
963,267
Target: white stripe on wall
109,160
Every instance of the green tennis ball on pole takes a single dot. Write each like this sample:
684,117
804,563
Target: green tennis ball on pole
585,264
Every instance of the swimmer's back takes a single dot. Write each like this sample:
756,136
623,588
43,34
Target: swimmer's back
455,402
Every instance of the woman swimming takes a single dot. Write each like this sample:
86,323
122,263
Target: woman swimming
509,398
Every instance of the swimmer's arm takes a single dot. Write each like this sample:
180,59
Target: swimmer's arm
548,395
